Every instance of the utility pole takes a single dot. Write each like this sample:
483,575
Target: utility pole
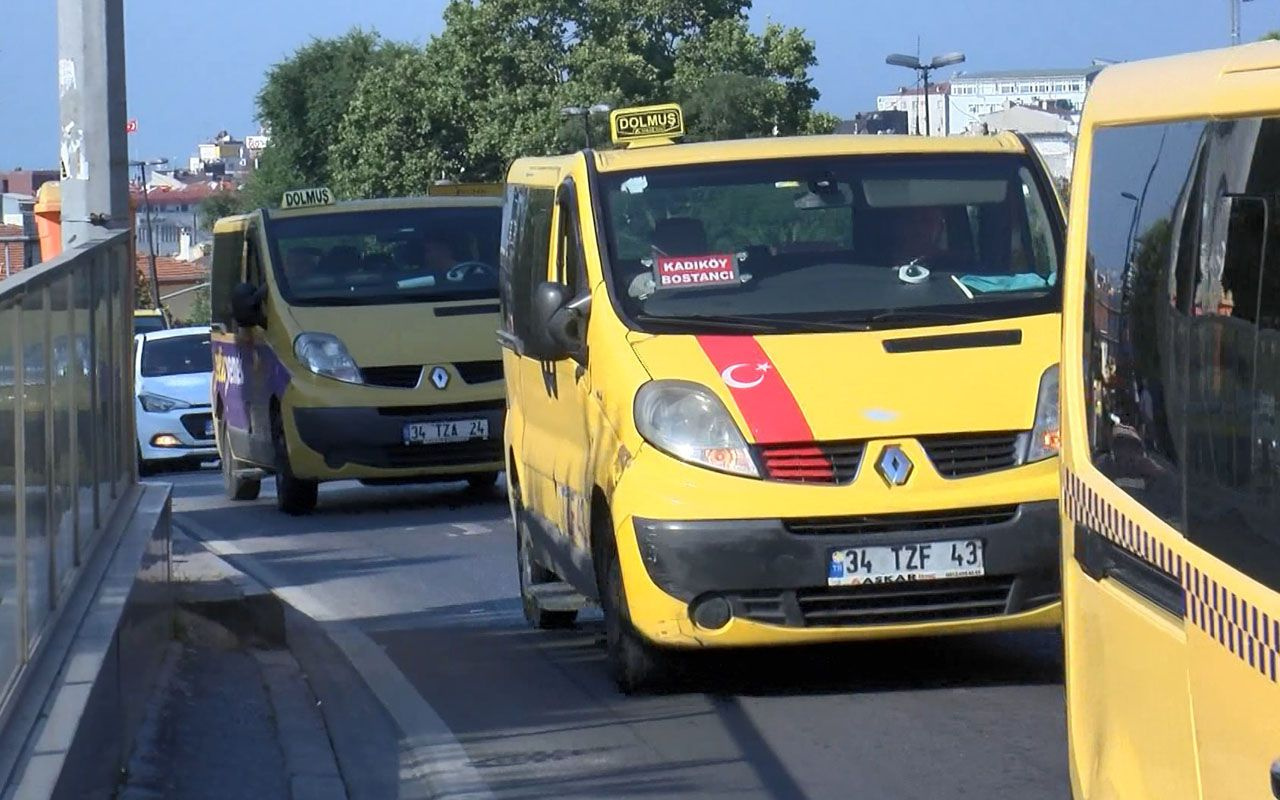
93,148
1235,21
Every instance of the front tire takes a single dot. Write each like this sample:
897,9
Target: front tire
235,488
294,496
483,482
635,665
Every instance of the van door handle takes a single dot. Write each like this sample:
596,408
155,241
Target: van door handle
1275,779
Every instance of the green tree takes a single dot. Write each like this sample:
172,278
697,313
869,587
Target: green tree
1270,35
491,86
201,312
303,102
219,205
398,134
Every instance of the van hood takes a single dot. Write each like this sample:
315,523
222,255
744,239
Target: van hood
408,333
863,385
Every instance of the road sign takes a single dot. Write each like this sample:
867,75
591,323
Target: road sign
647,124
258,143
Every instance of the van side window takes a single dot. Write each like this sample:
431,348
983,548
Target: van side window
1233,455
227,250
570,269
252,260
526,249
1134,367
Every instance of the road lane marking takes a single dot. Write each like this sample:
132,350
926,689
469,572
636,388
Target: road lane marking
431,756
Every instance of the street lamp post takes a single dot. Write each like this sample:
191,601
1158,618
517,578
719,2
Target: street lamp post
585,113
1235,19
151,234
923,69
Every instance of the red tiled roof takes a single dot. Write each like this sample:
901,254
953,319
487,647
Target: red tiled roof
171,270
192,194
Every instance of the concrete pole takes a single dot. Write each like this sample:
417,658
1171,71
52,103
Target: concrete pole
93,149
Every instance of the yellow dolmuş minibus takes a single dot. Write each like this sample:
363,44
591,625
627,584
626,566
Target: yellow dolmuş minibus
1171,377
356,340
782,391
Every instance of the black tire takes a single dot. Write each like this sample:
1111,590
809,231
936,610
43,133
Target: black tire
235,488
483,482
145,468
635,665
294,496
531,574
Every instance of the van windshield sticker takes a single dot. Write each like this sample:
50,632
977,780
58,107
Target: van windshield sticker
689,272
635,185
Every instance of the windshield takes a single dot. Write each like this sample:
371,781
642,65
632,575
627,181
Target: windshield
391,256
849,242
148,324
178,355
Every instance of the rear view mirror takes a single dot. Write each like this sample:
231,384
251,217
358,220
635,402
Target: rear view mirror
559,329
246,305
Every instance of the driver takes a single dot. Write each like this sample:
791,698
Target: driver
439,253
918,235
300,264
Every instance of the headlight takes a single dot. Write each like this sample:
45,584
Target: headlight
325,354
159,404
1046,435
689,422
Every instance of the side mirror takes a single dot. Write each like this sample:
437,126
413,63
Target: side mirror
559,329
246,305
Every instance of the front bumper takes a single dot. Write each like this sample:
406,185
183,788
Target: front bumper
363,442
773,574
189,426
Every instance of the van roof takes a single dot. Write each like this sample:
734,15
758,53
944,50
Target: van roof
228,224
537,170
1213,83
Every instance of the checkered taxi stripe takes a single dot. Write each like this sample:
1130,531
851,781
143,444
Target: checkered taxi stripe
1253,636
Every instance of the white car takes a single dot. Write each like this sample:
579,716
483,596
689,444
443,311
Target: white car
173,370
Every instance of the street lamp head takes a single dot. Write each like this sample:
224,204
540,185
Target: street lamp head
601,108
573,111
946,60
900,60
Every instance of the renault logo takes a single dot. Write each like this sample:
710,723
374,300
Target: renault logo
894,466
439,377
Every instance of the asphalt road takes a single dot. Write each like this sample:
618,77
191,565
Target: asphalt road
427,574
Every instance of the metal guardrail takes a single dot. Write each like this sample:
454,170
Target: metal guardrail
67,443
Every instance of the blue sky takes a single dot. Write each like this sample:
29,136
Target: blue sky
194,71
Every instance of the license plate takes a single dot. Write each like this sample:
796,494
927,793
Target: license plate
927,561
453,430
208,429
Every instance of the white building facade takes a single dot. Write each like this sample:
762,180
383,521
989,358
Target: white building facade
975,95
912,101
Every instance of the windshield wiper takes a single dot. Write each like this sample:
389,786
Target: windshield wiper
919,315
750,324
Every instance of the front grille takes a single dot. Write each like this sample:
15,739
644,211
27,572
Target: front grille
479,371
896,523
195,425
398,377
459,454
878,604
444,409
897,603
965,455
811,462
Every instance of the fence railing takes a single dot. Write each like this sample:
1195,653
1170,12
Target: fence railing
67,442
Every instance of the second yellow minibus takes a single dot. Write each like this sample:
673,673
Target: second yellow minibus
784,390
1171,423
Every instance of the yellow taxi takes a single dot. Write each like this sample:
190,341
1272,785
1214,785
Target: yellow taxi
1170,390
784,390
355,340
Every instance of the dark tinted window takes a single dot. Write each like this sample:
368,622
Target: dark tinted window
148,324
179,355
1140,186
1233,455
228,249
387,256
526,244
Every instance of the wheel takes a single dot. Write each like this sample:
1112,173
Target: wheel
145,467
294,496
235,488
635,665
532,574
482,482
